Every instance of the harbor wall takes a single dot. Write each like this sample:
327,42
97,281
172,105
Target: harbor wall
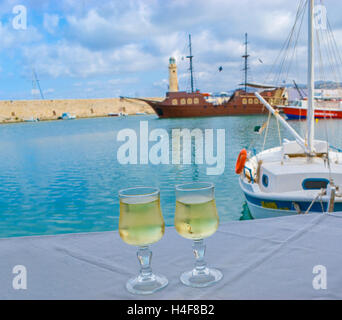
19,110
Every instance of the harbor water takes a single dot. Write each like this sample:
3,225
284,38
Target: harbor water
64,177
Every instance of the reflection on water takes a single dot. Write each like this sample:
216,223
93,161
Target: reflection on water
63,176
245,213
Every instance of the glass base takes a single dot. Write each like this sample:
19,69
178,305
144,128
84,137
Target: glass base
201,278
143,285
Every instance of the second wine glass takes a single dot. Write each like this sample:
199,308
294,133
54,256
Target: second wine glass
196,218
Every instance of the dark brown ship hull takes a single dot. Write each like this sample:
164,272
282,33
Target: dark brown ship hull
196,104
164,111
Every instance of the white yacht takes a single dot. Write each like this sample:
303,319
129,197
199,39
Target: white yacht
300,176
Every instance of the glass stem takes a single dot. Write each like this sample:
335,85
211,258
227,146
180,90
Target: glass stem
199,251
144,255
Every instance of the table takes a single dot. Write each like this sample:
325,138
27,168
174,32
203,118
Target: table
260,259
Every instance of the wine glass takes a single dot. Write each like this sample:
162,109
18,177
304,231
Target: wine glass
196,218
141,223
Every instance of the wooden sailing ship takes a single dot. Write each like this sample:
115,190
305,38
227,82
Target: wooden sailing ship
181,104
196,104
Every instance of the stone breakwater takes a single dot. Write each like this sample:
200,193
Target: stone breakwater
21,110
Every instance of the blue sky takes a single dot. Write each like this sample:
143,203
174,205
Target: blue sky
98,49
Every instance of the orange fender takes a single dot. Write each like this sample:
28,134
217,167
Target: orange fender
240,162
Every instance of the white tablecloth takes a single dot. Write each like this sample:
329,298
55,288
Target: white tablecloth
260,259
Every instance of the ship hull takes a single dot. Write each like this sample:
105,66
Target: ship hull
293,113
188,105
205,111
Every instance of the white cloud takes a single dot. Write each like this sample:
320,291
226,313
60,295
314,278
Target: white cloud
163,83
50,22
116,82
35,92
106,27
15,39
49,90
68,59
109,39
159,30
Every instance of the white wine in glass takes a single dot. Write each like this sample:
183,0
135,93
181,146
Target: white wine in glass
141,224
196,218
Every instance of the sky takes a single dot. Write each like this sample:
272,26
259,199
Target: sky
101,49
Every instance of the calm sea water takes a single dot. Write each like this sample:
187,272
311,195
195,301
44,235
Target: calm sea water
63,176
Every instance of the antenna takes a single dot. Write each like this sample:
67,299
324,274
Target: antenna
191,68
246,56
35,81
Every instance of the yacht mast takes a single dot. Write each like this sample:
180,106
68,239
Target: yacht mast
311,79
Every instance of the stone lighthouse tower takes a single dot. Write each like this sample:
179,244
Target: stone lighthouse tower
173,79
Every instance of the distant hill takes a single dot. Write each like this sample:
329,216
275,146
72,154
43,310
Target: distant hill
293,93
320,85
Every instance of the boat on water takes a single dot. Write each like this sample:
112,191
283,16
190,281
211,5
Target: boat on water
120,114
67,116
196,104
331,109
299,176
182,104
31,119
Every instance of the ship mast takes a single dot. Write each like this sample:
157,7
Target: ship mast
191,68
246,56
311,79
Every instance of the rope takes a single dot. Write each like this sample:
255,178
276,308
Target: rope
320,194
279,134
266,132
282,57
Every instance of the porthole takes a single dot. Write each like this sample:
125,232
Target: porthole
315,184
265,180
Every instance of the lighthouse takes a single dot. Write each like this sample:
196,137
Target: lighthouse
173,79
